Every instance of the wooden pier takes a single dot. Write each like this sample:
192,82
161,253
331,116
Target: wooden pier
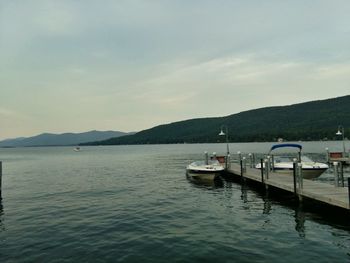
318,191
338,157
345,160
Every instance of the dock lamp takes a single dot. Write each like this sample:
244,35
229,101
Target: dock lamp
341,132
222,133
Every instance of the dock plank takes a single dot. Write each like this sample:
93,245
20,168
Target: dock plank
319,191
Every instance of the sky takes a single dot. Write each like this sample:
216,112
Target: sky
80,65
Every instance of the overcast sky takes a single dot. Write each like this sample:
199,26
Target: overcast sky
74,66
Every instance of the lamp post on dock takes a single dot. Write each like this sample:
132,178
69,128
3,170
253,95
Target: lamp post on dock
222,133
341,132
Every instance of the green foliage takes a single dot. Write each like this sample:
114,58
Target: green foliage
314,120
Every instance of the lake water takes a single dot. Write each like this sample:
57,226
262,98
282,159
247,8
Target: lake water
135,204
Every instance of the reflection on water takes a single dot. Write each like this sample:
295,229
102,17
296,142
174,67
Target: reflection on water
267,203
203,182
104,203
300,220
244,195
313,211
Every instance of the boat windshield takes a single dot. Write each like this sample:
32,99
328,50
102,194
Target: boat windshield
306,159
284,159
210,162
288,159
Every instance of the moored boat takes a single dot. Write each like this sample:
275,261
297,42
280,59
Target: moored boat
204,171
284,163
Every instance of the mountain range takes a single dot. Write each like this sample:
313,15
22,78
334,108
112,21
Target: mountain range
50,139
314,120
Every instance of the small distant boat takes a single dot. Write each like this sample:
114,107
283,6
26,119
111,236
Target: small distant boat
284,163
77,149
205,170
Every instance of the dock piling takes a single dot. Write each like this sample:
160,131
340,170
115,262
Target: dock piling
243,169
239,155
0,178
251,160
228,162
266,169
241,164
295,176
341,168
272,163
349,190
336,175
206,158
244,164
262,170
301,182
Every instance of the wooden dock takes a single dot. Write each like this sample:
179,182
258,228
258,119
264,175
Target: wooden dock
318,191
340,157
342,160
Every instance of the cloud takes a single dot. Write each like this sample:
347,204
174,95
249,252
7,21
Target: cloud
7,113
77,64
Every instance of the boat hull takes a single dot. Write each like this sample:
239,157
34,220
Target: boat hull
202,176
201,170
307,173
310,170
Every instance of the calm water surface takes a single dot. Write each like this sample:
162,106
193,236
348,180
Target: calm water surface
134,204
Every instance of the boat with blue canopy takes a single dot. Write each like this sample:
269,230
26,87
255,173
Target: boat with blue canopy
283,163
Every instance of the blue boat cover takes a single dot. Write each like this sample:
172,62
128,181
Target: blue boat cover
286,145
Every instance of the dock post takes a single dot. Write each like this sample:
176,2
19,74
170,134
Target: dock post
349,189
341,173
250,160
241,163
228,161
206,158
0,178
300,166
262,170
239,155
327,155
295,176
266,169
244,164
272,163
336,176
300,181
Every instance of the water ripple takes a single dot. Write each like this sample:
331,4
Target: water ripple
95,207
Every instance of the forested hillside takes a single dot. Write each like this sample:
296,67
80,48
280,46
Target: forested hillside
314,120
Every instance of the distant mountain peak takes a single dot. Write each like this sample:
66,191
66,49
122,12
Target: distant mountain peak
52,139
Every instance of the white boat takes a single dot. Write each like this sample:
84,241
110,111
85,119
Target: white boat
284,163
77,149
204,170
